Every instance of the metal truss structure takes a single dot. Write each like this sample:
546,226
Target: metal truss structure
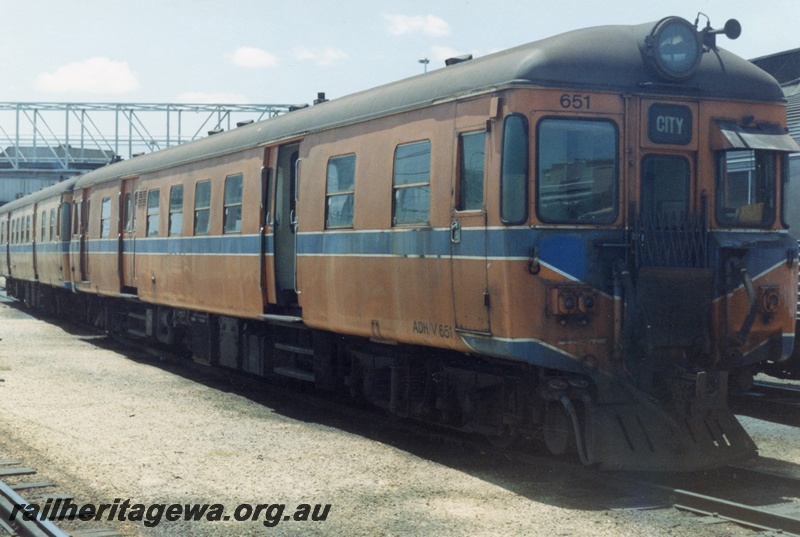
68,138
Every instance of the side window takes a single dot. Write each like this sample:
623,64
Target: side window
202,207
43,227
411,183
52,224
175,210
577,172
152,212
105,218
27,229
232,214
471,149
514,173
746,188
340,194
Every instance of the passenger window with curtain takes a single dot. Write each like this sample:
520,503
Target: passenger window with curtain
746,188
105,218
152,212
471,148
175,210
232,215
202,207
577,171
340,195
411,183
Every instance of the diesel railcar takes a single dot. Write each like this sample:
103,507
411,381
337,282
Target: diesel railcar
573,241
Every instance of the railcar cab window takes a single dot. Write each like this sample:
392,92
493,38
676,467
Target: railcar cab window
153,198
232,214
746,186
411,183
175,210
577,171
471,148
202,207
341,181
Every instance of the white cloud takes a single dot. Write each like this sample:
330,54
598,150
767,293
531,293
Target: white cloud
426,24
95,75
200,97
323,58
254,58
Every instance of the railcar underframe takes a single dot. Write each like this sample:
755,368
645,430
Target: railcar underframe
508,403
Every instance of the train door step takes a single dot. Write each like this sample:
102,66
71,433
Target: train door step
280,318
294,348
295,373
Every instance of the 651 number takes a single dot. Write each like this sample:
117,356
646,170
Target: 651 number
576,101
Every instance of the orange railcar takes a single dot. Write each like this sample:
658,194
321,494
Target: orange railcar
577,240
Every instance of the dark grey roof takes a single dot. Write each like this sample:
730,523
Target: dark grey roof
606,58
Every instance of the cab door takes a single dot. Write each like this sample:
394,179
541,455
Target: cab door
468,234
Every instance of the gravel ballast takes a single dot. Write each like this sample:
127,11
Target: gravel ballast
105,427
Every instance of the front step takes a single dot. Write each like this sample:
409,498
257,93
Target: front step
643,437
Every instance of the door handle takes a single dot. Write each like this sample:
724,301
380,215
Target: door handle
455,232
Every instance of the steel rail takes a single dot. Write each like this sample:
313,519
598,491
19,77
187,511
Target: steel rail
738,513
23,527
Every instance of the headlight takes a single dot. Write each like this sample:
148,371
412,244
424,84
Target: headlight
675,48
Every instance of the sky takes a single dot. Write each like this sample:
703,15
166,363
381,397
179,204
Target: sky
264,51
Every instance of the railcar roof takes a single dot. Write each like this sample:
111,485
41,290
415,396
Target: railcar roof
604,58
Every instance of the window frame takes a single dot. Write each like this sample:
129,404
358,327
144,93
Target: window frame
418,185
646,207
615,191
206,209
105,218
228,209
341,193
461,202
506,172
722,174
153,212
173,212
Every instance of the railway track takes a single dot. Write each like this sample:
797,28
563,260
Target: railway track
771,401
13,485
752,498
